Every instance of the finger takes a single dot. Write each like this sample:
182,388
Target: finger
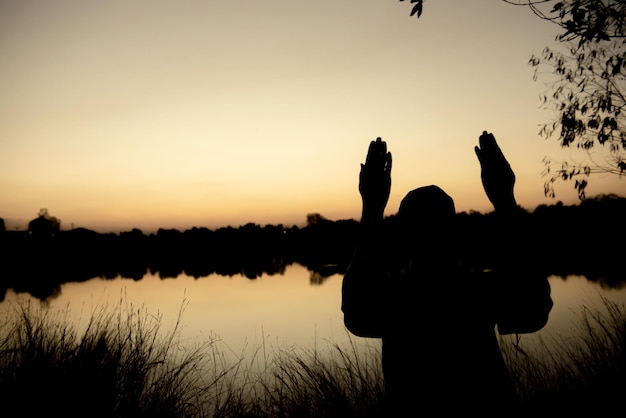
485,140
370,152
489,146
373,150
477,151
380,148
376,153
383,146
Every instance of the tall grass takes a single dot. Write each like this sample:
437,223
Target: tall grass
121,365
124,364
579,374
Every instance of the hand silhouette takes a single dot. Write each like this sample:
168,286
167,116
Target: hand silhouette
375,180
496,173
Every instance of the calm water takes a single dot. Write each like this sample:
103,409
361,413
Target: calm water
293,310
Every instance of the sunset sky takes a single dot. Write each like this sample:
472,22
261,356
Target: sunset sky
149,113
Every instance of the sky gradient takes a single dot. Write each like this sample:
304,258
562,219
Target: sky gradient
146,114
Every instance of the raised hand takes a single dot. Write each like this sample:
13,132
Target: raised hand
496,173
375,180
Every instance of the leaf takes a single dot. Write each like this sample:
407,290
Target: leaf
556,7
417,9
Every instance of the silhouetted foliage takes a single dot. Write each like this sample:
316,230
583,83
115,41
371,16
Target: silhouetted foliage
568,240
44,225
418,8
587,95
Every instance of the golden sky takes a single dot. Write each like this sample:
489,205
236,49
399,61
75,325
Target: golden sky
151,113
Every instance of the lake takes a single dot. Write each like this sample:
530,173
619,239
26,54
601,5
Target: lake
297,309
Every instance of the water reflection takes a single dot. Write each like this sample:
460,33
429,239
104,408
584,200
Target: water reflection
298,308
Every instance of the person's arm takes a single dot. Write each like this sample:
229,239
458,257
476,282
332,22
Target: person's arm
498,179
521,289
364,302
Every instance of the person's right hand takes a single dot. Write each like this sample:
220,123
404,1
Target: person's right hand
497,176
375,180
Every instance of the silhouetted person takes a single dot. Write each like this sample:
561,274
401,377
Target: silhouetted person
436,319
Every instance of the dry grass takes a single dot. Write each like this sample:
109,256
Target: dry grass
123,364
580,374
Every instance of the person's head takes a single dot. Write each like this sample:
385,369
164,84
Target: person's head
426,220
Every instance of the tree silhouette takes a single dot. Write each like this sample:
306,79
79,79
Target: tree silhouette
44,225
588,95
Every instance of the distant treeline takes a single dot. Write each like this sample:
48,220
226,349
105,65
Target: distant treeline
586,239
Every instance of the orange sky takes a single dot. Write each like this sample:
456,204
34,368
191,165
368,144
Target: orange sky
155,113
